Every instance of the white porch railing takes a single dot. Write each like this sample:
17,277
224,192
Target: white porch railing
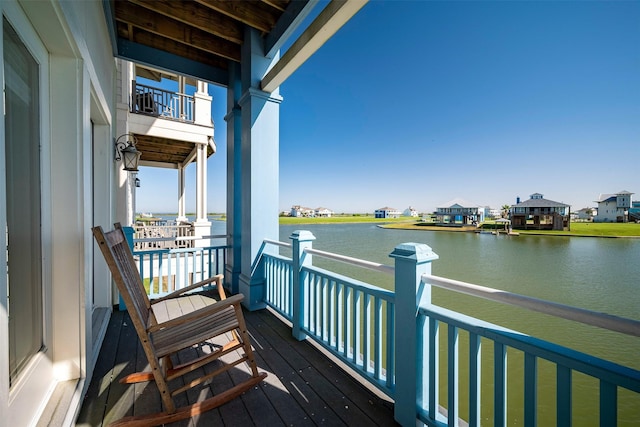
166,270
168,267
151,237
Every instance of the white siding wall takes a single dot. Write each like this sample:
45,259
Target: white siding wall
82,72
607,212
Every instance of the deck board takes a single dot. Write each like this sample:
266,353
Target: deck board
303,386
94,405
121,397
373,406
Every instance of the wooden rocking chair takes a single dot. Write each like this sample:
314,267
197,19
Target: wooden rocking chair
162,340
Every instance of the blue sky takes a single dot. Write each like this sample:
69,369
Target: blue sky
414,103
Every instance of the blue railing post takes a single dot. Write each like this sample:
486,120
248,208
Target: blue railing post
412,260
128,233
302,239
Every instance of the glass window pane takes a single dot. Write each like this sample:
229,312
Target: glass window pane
22,168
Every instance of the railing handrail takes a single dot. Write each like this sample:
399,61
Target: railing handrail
576,314
168,239
157,89
387,269
581,315
277,243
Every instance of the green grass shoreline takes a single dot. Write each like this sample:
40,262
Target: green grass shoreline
578,229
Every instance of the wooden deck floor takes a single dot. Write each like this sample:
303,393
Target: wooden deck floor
303,387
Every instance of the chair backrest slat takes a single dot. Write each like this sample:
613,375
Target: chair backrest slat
117,253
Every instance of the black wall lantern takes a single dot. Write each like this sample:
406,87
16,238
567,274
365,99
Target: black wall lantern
126,151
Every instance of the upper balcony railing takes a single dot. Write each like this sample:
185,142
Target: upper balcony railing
539,211
162,103
392,339
163,236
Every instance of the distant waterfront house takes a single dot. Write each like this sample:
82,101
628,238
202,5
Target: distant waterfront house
540,214
300,211
459,211
410,212
613,207
585,214
324,212
490,212
387,212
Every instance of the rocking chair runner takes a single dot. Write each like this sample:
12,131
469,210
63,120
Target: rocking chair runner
162,340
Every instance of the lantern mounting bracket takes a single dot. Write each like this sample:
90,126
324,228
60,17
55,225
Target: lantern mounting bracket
125,147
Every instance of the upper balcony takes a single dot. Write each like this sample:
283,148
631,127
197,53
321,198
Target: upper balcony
162,103
169,114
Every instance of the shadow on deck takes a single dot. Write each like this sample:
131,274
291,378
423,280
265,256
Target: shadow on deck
303,386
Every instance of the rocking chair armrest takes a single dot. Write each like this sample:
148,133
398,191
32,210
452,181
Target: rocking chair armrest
200,313
217,278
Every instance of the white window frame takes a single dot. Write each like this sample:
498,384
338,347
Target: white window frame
22,402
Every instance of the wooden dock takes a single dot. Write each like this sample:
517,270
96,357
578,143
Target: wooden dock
303,386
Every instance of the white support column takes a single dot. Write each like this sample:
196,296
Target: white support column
258,189
201,184
202,116
202,105
131,197
182,201
125,213
202,224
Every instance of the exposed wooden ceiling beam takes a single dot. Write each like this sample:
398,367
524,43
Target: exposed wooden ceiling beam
191,13
255,14
330,20
160,25
281,5
180,49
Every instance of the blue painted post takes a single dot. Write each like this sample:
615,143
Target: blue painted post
128,233
258,186
302,239
412,260
234,175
